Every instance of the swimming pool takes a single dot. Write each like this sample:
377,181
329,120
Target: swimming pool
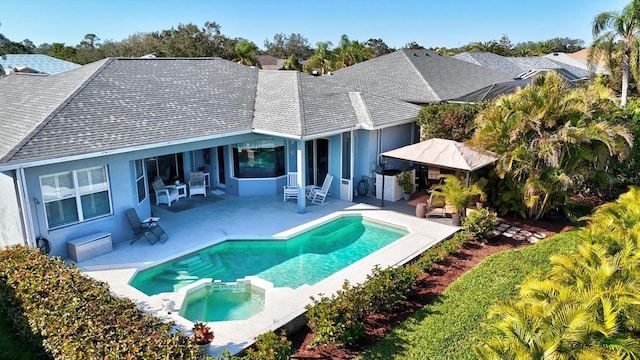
305,259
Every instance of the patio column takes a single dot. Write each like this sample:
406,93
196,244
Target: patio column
302,175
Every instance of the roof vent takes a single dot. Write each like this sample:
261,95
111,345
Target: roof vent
414,54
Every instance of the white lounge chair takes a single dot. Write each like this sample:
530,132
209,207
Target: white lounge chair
318,194
164,194
291,189
197,185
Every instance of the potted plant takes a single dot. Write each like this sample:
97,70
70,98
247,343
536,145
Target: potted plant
201,333
406,183
480,201
456,194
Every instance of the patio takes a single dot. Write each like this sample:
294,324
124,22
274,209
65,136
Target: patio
228,217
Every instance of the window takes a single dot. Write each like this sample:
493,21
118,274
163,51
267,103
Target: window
75,196
139,174
259,159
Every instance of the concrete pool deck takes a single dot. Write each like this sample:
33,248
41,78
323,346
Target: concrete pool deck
256,218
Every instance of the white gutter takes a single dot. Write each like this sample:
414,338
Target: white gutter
49,161
25,209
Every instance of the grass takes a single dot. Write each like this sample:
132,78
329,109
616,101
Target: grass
448,328
11,347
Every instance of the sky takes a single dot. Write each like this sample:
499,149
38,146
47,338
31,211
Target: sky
430,23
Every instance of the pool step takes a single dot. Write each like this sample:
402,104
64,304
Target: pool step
193,268
339,238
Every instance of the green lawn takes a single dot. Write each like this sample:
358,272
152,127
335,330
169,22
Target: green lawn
447,329
11,347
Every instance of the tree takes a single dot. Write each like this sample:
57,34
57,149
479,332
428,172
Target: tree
378,47
61,51
611,25
413,46
292,63
320,60
246,53
585,307
448,120
549,140
284,46
350,52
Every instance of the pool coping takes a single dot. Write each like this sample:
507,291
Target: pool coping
282,305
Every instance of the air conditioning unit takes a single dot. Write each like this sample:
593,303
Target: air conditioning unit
89,246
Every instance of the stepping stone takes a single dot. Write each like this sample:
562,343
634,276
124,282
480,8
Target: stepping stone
520,238
533,239
525,233
508,234
540,235
514,228
495,233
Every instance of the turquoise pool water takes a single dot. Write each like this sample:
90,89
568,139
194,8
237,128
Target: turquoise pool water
212,303
304,259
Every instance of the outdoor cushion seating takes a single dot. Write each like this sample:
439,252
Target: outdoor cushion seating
435,202
318,194
197,184
149,228
164,194
291,189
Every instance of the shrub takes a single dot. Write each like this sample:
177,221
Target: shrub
384,287
337,318
480,223
75,317
270,346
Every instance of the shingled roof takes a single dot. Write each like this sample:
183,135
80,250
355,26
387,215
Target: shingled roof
518,66
298,105
38,62
418,76
123,104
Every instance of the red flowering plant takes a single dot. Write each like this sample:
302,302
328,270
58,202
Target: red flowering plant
202,334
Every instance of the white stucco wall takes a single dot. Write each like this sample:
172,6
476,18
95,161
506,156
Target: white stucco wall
10,224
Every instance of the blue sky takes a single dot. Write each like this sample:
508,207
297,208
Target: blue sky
430,23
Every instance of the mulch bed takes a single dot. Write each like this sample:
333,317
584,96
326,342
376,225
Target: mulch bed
427,288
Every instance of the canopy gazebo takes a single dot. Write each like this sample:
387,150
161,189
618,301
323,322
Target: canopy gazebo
444,154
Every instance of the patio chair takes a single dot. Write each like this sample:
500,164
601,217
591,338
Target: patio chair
435,202
197,184
291,189
318,194
150,229
164,194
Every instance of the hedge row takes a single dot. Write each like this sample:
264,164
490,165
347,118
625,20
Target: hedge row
68,315
339,318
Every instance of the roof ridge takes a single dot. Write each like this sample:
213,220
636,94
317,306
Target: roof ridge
299,96
415,68
58,108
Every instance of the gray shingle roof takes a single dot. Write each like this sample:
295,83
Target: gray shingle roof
136,102
302,106
516,66
418,76
42,63
120,104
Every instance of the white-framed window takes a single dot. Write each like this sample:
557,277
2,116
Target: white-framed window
74,196
138,166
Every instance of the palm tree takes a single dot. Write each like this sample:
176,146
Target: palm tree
321,59
246,53
547,137
351,52
610,25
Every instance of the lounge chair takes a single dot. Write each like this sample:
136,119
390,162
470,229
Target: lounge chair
291,189
318,194
164,194
435,202
197,185
150,229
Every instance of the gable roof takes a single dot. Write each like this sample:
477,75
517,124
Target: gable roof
418,76
123,104
299,105
520,67
575,61
40,63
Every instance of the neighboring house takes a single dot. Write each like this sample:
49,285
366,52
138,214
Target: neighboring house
268,62
34,63
418,76
523,67
79,148
576,61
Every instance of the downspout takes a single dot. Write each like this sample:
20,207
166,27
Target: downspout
25,209
352,164
302,175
